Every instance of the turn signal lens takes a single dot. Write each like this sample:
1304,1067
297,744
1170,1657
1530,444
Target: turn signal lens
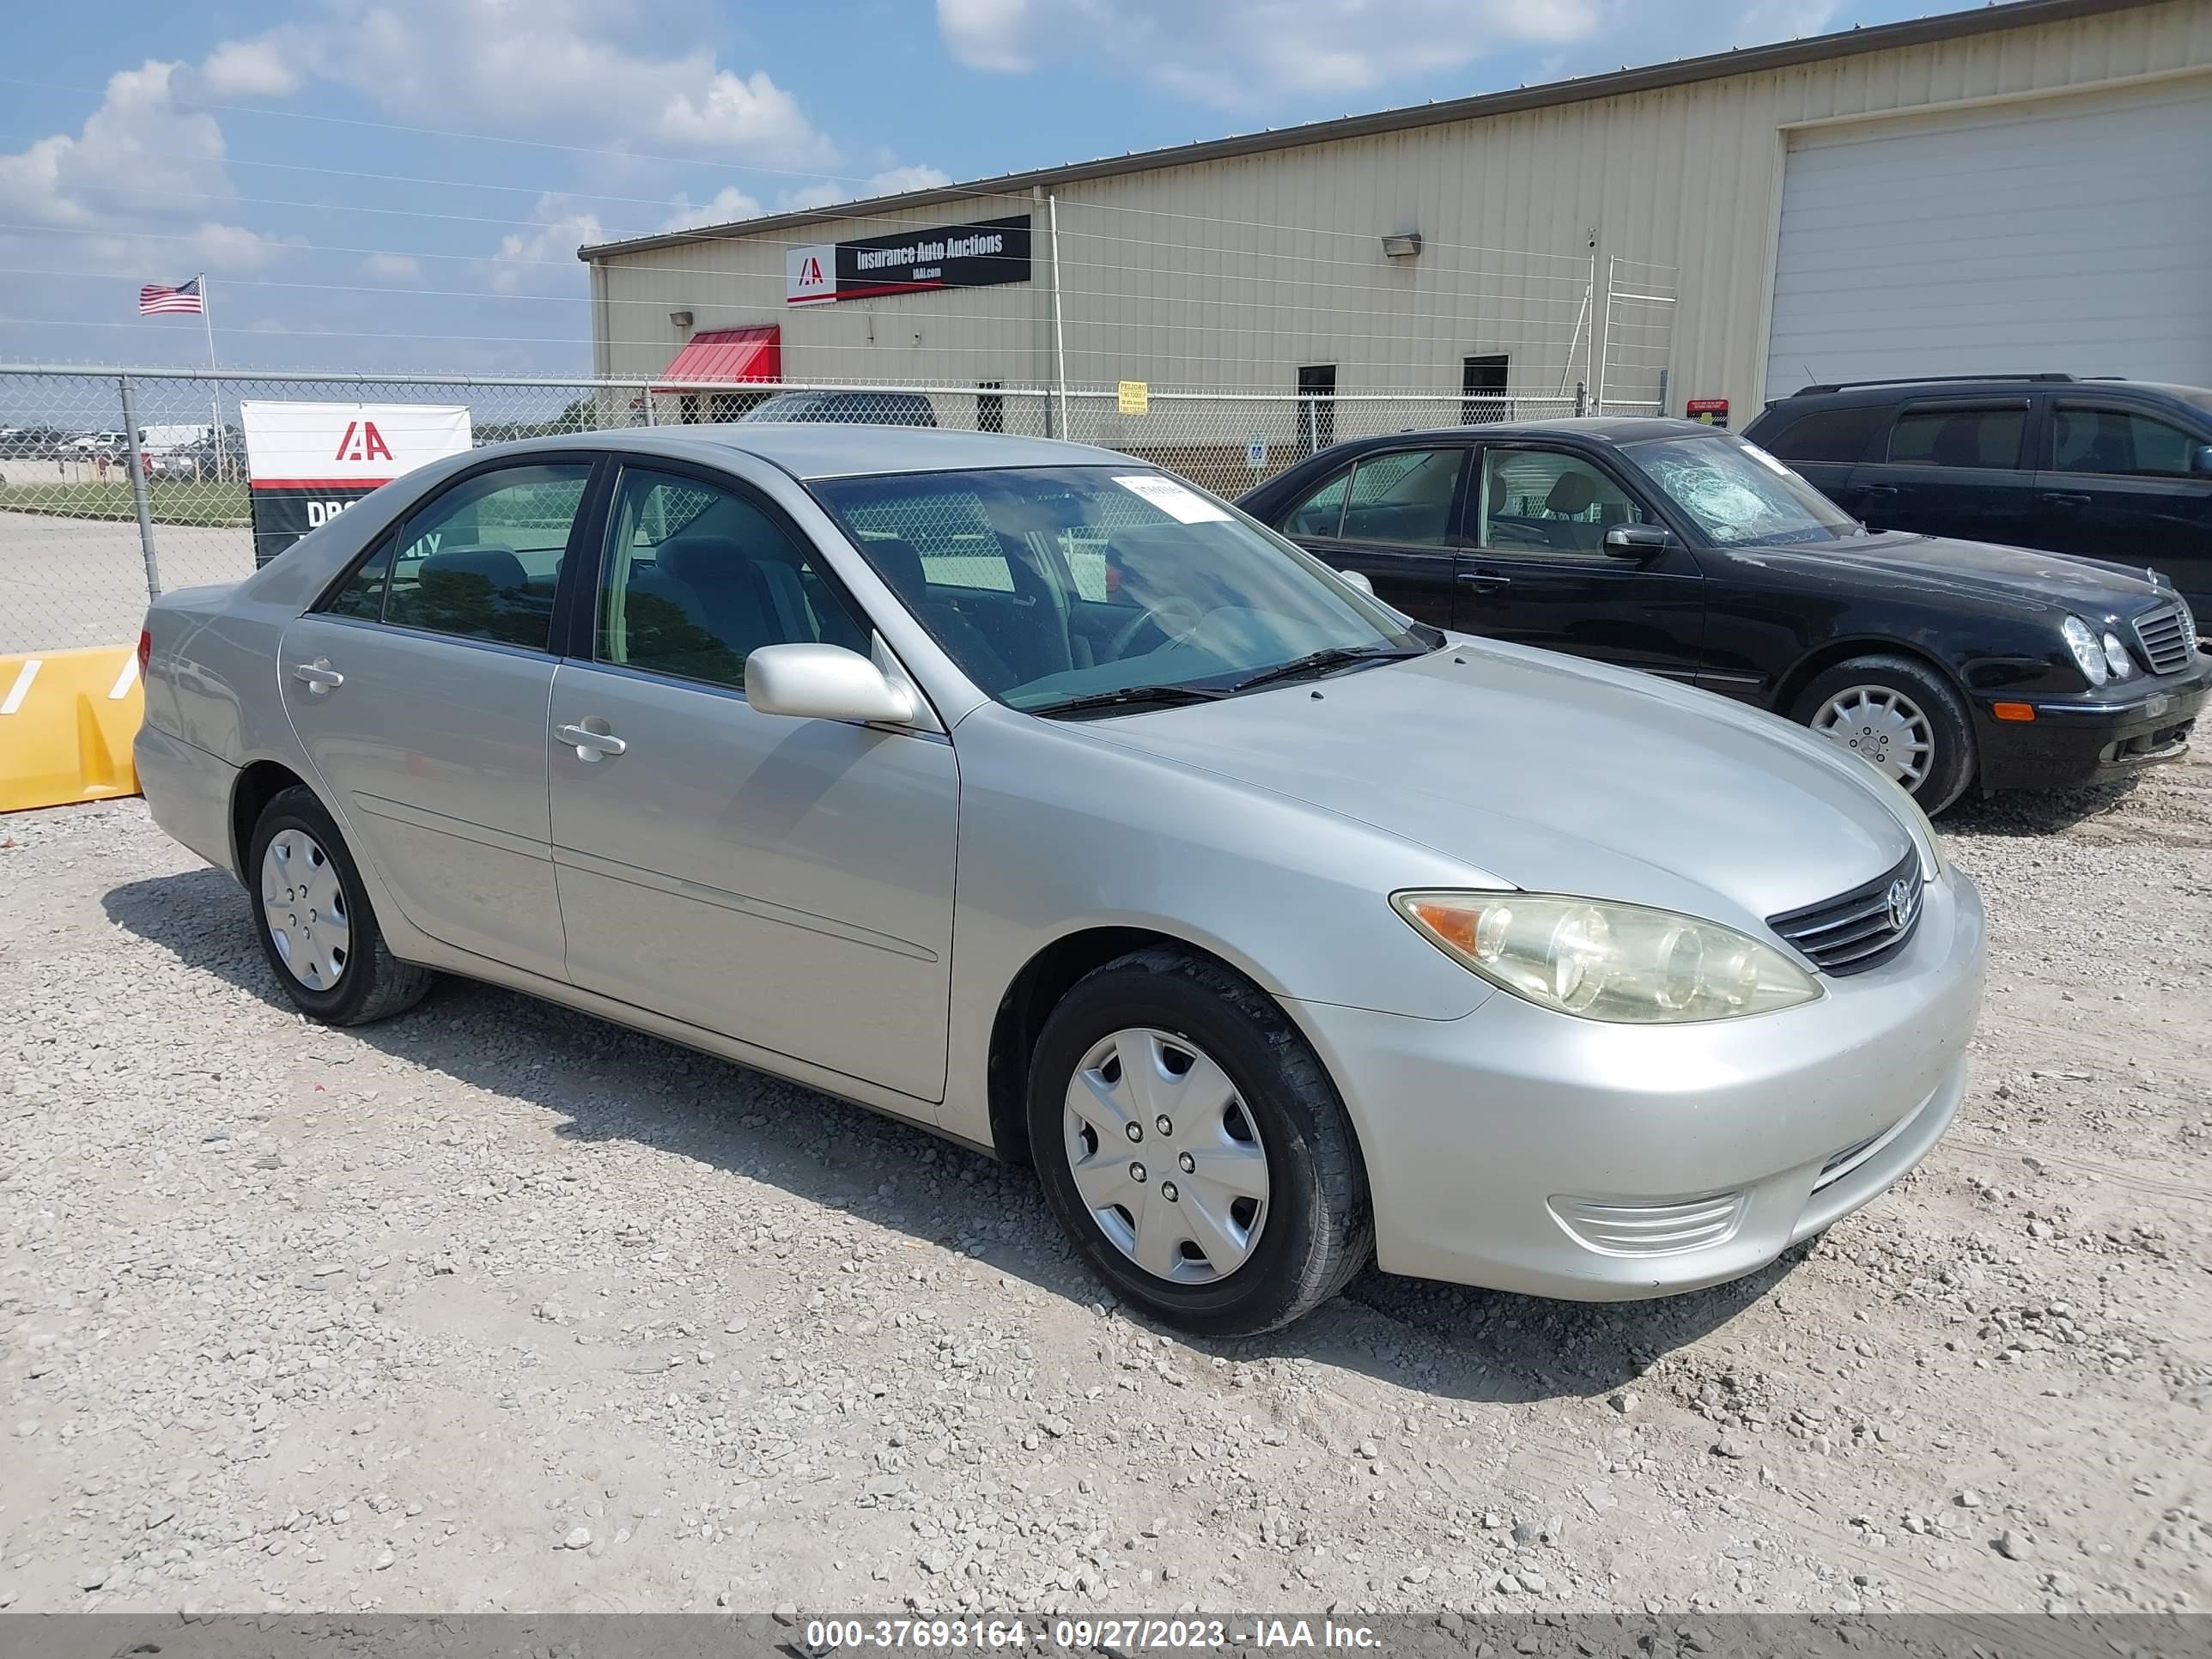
1619,962
145,651
2013,711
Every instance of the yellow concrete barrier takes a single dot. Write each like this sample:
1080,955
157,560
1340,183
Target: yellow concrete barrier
66,721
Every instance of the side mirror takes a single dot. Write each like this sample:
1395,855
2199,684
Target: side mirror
2202,460
822,682
1638,541
1358,579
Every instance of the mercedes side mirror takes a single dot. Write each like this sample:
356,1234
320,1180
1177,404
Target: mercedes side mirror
823,683
1358,579
1638,541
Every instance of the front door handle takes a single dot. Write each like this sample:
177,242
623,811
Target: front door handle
2061,498
1484,581
589,745
318,676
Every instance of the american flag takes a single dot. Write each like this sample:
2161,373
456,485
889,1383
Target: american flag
154,298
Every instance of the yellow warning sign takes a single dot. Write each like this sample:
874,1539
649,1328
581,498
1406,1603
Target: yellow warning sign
66,721
1136,396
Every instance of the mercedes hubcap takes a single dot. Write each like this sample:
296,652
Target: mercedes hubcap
306,909
1883,727
1167,1160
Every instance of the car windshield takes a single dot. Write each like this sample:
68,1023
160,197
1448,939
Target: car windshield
1061,588
1738,493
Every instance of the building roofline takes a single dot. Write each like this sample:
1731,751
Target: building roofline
1812,49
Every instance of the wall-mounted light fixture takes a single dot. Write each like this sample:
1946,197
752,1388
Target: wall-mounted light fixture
1406,245
681,319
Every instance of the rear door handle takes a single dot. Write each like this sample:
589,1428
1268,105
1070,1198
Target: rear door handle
589,745
318,676
1878,490
1484,581
2061,498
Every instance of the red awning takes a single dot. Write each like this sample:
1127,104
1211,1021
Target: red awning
720,356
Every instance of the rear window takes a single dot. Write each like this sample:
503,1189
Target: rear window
1952,436
1828,435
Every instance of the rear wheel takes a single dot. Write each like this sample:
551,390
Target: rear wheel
314,919
1194,1148
1900,716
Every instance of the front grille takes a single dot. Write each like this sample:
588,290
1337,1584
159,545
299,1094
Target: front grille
1665,1228
1861,929
2164,635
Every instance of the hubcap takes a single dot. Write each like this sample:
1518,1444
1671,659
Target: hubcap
306,909
1201,1225
1883,727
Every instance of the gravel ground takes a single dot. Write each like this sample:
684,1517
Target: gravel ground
496,1307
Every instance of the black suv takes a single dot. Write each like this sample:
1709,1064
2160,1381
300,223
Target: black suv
2119,470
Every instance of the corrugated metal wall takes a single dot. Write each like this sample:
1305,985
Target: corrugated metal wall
1232,273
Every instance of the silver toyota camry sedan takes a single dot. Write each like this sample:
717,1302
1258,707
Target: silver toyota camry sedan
1021,791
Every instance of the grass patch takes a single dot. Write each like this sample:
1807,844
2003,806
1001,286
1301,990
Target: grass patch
207,505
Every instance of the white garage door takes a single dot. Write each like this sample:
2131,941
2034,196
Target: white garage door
2061,234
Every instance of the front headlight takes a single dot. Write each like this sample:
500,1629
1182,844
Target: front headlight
2088,650
2116,657
1620,962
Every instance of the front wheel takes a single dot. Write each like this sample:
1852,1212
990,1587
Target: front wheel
1900,716
1192,1146
313,916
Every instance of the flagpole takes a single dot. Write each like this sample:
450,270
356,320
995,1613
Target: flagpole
214,396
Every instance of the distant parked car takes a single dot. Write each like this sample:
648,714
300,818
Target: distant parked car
1689,553
2119,470
860,408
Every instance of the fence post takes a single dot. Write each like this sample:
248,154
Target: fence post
1582,398
648,401
138,469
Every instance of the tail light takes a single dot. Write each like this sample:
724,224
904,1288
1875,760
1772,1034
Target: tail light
145,651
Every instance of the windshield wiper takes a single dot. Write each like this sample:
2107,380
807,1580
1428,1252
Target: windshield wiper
1159,697
1313,662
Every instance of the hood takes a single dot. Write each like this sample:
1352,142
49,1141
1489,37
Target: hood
1975,571
1557,775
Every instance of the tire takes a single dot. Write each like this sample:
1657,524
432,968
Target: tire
1857,703
314,919
1284,1253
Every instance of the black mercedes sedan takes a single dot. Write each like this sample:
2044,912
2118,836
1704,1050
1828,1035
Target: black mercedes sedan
1666,546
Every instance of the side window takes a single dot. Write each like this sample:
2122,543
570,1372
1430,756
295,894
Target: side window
361,594
1404,496
1829,434
1544,501
1321,512
1951,436
2116,441
697,577
481,561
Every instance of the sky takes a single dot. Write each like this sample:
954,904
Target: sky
402,184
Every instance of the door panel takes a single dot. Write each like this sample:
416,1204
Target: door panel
2116,483
1393,519
432,752
785,882
1539,575
1950,468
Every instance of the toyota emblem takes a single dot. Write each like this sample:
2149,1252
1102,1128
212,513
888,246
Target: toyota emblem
1900,904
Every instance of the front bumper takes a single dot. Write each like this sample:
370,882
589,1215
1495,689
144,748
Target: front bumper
2089,737
1528,1150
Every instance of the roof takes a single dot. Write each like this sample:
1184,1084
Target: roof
724,355
819,449
1684,71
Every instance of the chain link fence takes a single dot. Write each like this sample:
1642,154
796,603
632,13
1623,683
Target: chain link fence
91,523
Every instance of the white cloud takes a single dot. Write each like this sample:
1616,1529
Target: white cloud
392,268
544,260
143,173
1245,54
892,181
727,206
250,69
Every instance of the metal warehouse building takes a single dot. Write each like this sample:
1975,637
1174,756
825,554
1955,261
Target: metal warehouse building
2021,186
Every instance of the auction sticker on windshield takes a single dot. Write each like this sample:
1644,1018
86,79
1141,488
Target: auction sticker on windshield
1183,505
